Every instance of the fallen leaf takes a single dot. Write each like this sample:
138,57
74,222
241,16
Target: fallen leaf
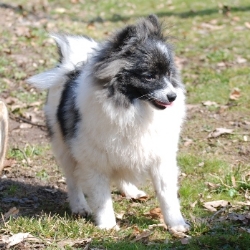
78,243
60,10
155,213
243,203
119,215
49,190
245,229
144,235
185,241
241,60
178,234
220,131
213,205
233,181
235,94
187,142
244,218
25,126
212,185
141,199
221,64
201,164
247,24
212,27
192,205
12,212
17,238
210,103
158,225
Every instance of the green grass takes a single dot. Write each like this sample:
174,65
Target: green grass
210,37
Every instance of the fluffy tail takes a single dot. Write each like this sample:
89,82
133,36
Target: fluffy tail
74,51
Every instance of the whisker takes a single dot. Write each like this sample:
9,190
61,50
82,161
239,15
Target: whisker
142,96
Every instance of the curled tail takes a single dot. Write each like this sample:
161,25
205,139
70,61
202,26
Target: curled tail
74,52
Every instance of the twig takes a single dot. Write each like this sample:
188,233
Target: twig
19,118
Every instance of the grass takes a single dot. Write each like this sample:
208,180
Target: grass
212,39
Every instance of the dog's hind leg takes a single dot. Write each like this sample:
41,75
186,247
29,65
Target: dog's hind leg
130,190
77,201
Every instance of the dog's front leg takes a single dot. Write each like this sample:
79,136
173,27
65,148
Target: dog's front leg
97,188
165,179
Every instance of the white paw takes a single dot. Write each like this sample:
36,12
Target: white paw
81,211
136,195
181,228
109,227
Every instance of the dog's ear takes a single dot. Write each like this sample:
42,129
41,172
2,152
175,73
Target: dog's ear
150,27
155,21
123,37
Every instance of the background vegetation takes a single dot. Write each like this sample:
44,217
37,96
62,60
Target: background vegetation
212,44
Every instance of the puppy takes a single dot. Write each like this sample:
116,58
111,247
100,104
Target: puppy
114,112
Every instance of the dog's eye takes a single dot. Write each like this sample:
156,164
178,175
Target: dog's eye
149,77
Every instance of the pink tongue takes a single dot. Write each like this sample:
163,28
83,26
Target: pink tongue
164,104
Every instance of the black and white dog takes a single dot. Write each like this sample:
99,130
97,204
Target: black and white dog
114,112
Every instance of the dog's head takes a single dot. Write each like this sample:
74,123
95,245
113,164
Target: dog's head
137,63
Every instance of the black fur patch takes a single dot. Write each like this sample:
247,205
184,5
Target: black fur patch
67,113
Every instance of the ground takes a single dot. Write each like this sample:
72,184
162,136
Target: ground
214,166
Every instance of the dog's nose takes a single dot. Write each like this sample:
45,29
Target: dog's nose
171,96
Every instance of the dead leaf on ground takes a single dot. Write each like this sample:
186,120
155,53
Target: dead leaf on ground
79,243
12,212
25,126
245,229
16,239
163,225
185,241
210,103
178,234
141,199
120,215
142,236
241,60
213,205
220,131
212,186
235,94
238,217
211,27
155,213
243,203
192,205
187,142
247,24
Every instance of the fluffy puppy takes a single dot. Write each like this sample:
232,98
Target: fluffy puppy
114,112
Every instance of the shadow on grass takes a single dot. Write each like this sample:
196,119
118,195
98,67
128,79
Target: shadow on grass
32,199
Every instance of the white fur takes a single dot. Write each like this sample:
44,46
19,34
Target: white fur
117,145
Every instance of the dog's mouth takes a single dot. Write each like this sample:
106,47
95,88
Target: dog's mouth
161,105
